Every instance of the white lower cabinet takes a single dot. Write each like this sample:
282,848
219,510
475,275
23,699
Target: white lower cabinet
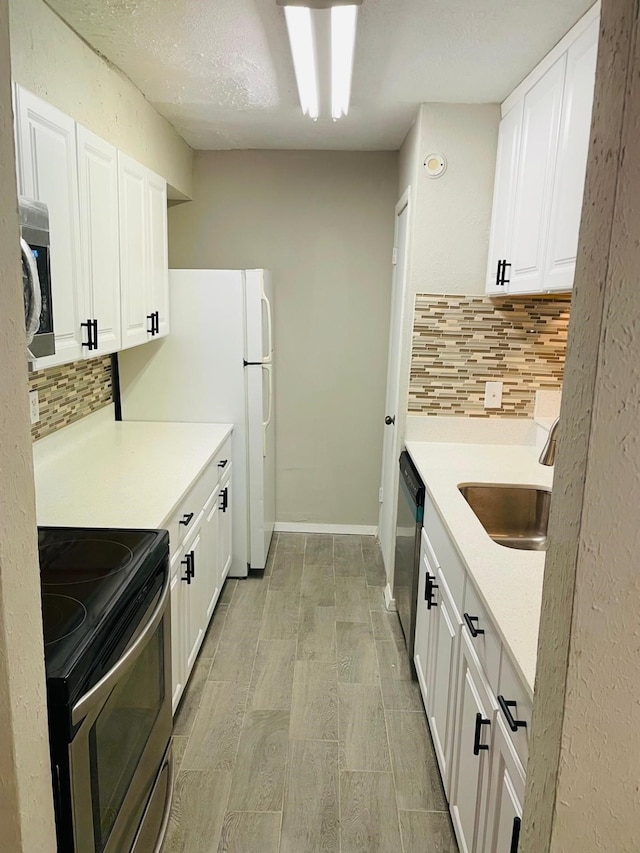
506,795
472,750
478,709
198,544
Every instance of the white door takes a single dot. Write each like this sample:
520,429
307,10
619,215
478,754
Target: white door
504,194
177,637
470,769
210,563
48,172
390,446
536,165
158,253
566,206
226,527
425,618
134,221
99,237
506,795
443,686
195,561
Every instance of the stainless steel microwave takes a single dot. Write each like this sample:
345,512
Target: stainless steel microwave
36,277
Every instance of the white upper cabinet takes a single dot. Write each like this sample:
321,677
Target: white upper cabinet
48,172
143,253
132,185
566,206
100,240
541,167
158,253
534,183
504,196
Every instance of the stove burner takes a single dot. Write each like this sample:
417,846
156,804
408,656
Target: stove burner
62,615
80,560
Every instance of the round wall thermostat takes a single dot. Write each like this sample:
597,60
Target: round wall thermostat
435,165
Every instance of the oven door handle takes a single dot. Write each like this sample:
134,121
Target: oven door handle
101,690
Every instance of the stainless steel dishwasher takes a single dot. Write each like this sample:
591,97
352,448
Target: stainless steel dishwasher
407,558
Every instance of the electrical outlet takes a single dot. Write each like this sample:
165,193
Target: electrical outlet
493,395
34,407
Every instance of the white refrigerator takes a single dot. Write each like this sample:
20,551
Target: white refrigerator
216,365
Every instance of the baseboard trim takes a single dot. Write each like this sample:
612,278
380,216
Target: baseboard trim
389,600
338,529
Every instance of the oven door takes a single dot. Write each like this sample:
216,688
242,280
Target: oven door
125,727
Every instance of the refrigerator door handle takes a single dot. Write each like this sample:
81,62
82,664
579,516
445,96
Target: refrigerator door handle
264,298
265,424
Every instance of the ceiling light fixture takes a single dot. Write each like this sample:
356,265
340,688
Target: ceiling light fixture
322,34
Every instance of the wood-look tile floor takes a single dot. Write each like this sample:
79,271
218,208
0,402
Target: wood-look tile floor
301,730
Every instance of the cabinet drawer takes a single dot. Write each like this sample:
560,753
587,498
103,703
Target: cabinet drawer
487,646
513,690
447,558
222,459
188,513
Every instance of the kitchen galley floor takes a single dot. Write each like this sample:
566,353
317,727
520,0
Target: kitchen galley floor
301,730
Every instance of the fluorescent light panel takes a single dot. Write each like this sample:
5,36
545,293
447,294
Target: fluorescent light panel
305,56
343,39
300,27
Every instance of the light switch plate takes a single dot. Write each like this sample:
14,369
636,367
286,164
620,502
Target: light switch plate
493,395
34,407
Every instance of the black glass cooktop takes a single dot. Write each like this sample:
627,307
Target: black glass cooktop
96,587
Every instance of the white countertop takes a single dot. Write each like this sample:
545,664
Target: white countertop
102,473
508,581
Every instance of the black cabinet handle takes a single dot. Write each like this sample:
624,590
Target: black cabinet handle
515,835
156,315
505,705
188,563
92,334
222,463
430,602
186,519
472,628
225,499
480,722
192,567
390,420
499,275
504,272
152,330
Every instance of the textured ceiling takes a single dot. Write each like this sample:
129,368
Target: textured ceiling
221,71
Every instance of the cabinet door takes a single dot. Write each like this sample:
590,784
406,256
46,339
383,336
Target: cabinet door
158,252
48,172
566,206
99,237
226,527
536,164
504,198
134,216
211,556
470,771
178,655
441,710
506,795
196,591
425,620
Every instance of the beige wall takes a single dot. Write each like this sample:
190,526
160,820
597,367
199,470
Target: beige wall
26,808
323,223
52,62
582,785
452,213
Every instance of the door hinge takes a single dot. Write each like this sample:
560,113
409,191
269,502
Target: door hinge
394,256
380,495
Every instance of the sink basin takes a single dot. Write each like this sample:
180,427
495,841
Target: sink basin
513,516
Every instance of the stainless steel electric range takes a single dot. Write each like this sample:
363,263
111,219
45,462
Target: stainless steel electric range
107,632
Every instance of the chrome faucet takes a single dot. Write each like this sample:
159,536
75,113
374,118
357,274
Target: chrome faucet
548,455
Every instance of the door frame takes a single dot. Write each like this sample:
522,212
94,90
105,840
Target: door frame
386,518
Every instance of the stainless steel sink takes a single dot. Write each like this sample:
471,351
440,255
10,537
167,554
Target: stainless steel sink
513,516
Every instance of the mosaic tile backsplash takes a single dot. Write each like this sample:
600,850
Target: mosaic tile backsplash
70,392
461,342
